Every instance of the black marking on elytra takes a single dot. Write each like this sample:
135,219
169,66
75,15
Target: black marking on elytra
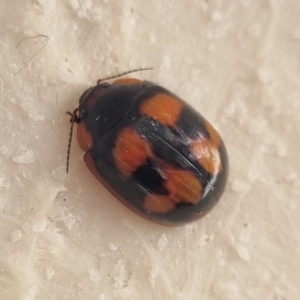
147,176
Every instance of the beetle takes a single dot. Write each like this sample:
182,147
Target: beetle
151,150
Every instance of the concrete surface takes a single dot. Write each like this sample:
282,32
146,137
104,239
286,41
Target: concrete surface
64,236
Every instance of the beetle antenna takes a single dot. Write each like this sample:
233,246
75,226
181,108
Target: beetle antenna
74,119
122,74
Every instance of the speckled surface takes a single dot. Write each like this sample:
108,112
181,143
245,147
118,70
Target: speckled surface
64,236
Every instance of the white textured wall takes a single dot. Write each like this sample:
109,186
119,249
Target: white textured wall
64,236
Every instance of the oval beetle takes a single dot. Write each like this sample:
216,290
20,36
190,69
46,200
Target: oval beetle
151,150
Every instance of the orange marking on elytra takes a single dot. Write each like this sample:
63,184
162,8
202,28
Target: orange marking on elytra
214,136
207,151
158,203
130,151
162,108
207,154
183,187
